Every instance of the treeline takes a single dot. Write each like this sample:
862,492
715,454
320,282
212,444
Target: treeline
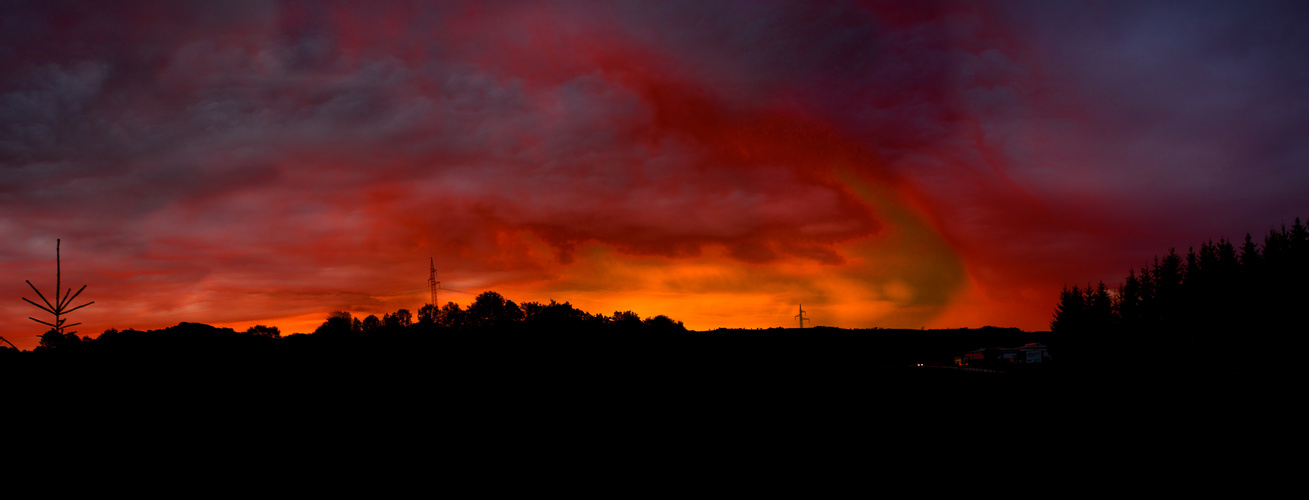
1209,295
491,312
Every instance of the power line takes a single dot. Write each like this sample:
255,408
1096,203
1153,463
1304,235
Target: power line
459,291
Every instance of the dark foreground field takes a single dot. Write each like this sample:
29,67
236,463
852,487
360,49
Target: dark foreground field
769,372
630,413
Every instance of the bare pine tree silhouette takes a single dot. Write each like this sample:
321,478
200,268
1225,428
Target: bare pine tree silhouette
59,308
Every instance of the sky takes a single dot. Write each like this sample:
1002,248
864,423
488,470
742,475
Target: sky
886,164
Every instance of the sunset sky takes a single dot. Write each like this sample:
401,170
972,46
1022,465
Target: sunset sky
888,164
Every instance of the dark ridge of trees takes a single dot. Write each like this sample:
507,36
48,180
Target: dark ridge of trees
495,324
1202,306
530,333
264,331
184,336
490,313
490,318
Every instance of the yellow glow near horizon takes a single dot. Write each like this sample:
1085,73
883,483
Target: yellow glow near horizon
902,277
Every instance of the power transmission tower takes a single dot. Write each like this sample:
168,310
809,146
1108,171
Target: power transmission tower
431,281
59,308
801,316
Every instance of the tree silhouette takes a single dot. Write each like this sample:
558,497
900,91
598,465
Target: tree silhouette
264,331
1128,303
52,339
559,317
1167,275
1099,309
370,324
626,319
1196,306
339,323
60,306
452,317
427,315
490,310
663,323
400,319
1070,313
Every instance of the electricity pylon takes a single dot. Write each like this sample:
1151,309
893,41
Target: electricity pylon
431,281
59,308
801,316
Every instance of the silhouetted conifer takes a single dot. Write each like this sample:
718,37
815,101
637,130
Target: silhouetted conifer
1249,257
1195,305
1147,316
1099,309
1128,303
1167,277
1070,314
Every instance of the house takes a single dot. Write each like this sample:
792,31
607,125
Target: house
1028,353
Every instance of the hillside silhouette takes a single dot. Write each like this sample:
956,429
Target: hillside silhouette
502,341
493,322
514,373
1181,317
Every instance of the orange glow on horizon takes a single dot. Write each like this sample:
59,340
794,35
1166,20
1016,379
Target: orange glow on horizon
903,277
